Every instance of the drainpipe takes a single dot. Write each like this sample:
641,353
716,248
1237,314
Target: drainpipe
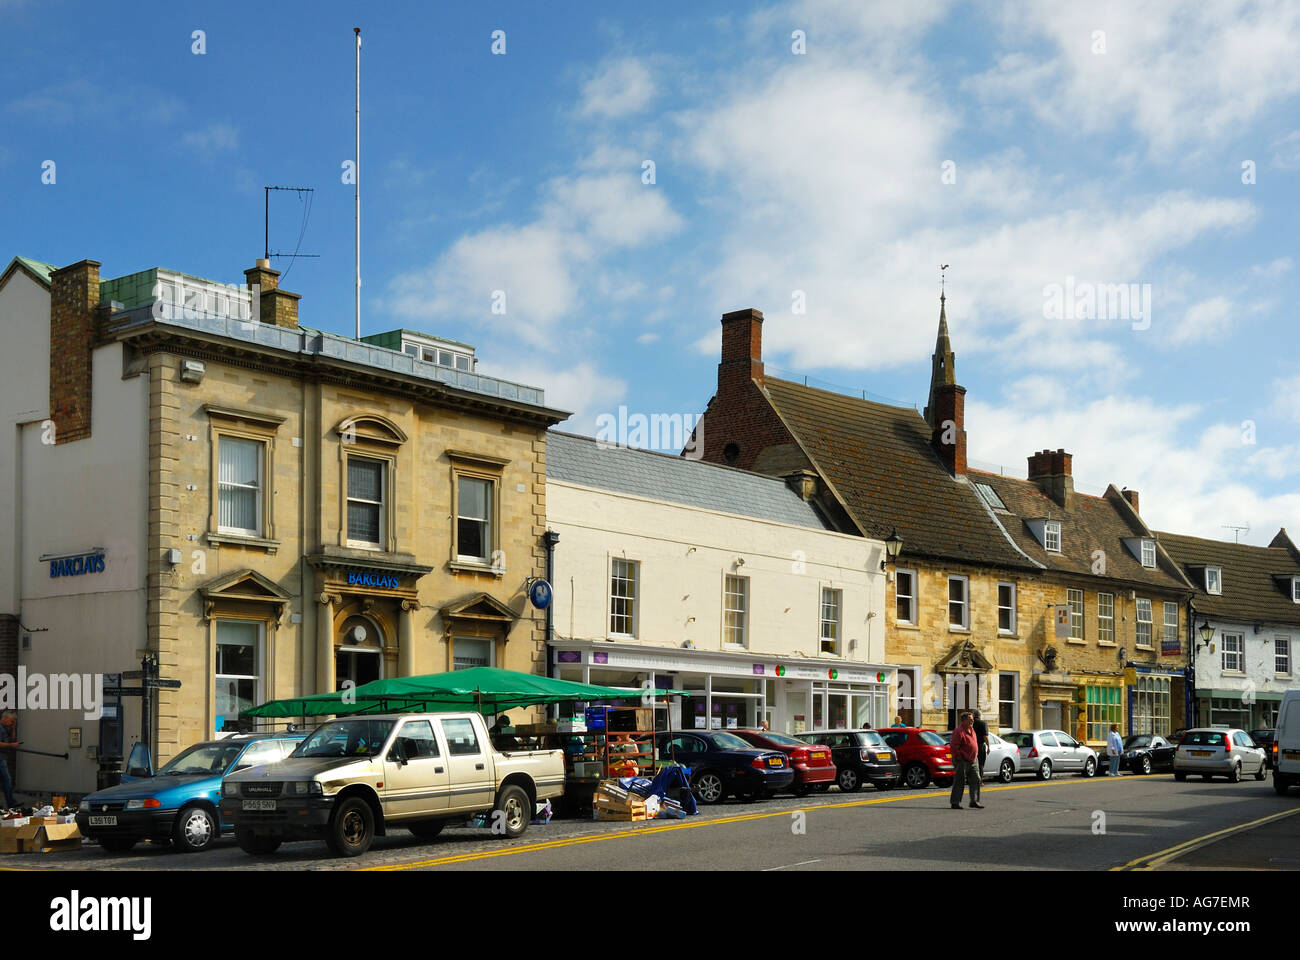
550,538
1189,707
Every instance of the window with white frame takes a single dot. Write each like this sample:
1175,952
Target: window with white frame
1233,648
1148,553
1105,618
1295,589
473,519
1151,706
830,620
905,596
1008,701
958,602
237,672
1282,655
239,486
622,597
735,610
1171,626
1052,536
1143,622
1006,607
909,695
365,502
1074,600
1214,580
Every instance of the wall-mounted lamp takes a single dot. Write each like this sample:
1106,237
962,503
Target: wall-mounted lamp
1206,633
740,561
893,547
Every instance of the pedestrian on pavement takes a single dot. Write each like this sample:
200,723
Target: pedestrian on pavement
1114,749
898,722
8,742
965,754
981,741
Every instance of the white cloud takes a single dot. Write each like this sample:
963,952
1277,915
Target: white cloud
1206,320
1286,402
579,387
214,138
620,87
1286,151
1274,268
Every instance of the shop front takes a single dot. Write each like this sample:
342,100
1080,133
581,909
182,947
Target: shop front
725,691
1157,699
1232,708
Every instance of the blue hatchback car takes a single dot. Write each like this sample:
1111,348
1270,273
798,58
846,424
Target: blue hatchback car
181,801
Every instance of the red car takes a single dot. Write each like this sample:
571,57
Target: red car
923,755
813,765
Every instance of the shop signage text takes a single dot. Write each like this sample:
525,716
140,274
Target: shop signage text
367,578
76,566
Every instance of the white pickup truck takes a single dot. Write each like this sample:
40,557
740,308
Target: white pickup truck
355,778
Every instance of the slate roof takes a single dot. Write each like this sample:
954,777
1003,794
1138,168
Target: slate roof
879,459
659,476
1090,524
1250,591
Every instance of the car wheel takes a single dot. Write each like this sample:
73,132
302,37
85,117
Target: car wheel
1180,777
1235,775
849,780
513,810
123,844
1006,772
351,829
1146,764
1279,785
802,790
426,829
707,786
195,830
1259,774
1045,770
1089,768
916,776
256,846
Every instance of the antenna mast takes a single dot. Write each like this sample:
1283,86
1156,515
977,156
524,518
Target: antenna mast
1236,529
356,182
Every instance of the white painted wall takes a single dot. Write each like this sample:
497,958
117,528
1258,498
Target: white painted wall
1259,659
685,553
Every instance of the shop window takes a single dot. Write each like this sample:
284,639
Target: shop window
1006,608
238,678
1008,701
622,597
1104,706
1143,622
1233,652
735,610
831,620
1151,706
905,596
366,502
1074,600
1105,618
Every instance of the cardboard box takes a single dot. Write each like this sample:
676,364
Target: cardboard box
9,842
27,836
58,837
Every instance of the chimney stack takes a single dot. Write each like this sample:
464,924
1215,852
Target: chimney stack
74,304
1132,497
948,409
803,482
276,306
742,351
1050,470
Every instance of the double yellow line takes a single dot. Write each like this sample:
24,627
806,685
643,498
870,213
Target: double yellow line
1153,861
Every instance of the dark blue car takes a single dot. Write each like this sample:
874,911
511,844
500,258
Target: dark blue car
181,802
721,764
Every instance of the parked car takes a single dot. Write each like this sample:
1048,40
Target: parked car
923,755
860,755
812,766
1265,738
353,779
1144,752
181,802
1045,752
1003,760
1218,753
1286,743
722,764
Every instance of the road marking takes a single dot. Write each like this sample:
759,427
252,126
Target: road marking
1153,860
678,825
801,863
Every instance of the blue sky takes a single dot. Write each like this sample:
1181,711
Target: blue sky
1022,143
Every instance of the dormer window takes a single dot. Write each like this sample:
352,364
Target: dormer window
1148,553
1052,536
1214,580
1295,589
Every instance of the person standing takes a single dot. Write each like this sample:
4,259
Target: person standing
1114,749
965,754
8,742
982,742
898,722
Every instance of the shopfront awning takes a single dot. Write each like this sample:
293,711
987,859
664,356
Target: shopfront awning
486,690
1237,695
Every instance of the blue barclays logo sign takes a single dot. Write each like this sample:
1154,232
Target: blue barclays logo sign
362,578
77,566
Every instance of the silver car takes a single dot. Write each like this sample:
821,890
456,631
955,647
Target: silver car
1044,752
1003,760
1218,753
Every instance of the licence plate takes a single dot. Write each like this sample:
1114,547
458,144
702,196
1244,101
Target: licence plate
882,756
103,821
1201,753
774,762
259,804
819,756
1291,754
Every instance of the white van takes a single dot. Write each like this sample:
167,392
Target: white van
1286,767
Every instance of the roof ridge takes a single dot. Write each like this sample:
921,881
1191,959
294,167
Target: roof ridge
672,456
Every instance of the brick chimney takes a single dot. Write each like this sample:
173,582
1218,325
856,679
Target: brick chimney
1132,497
948,408
74,302
742,351
279,307
1049,470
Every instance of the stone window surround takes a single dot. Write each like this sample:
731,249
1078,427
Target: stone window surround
268,623
964,626
1012,631
480,467
376,438
914,598
244,425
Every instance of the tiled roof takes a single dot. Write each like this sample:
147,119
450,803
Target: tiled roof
1090,524
879,459
659,476
1250,591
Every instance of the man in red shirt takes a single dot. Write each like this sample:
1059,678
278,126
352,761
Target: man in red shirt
965,759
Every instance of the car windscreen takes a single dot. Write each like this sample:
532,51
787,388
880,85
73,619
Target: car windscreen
932,738
346,738
1132,743
869,738
729,741
212,758
1203,738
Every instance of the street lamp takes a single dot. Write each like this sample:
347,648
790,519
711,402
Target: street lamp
1206,632
893,546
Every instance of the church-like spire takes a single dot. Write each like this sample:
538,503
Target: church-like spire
942,365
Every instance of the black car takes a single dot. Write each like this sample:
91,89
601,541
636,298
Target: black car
722,764
1264,737
1144,753
860,755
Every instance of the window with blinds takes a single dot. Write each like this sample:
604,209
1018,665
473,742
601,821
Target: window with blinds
239,486
365,502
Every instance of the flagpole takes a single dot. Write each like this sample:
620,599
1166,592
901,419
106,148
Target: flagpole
356,184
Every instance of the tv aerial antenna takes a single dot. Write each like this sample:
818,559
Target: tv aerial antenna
1236,529
303,192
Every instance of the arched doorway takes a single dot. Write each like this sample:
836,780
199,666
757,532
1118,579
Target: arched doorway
359,653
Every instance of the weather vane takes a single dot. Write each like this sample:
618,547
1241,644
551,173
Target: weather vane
942,268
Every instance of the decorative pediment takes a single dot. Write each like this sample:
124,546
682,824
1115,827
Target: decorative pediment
964,658
370,428
243,586
480,608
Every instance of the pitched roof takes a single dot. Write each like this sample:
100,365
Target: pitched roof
37,268
880,462
1250,591
1090,524
658,476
